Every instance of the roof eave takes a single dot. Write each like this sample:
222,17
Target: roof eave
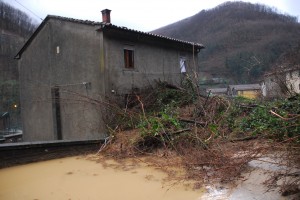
197,47
19,54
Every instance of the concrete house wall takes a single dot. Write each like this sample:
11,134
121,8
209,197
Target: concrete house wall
35,89
293,80
68,67
271,86
78,79
152,63
65,55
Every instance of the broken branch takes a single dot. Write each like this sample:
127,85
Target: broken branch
192,121
283,118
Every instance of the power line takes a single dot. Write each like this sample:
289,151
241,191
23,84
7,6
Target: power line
29,10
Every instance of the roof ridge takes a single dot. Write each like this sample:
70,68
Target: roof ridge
103,25
73,19
89,22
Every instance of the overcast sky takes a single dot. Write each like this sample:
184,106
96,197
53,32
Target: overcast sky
143,15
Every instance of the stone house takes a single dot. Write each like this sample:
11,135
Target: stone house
69,67
282,82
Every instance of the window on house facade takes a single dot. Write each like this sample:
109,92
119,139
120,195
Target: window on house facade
129,58
182,63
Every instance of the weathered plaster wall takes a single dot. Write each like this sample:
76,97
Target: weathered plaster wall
293,80
85,66
77,63
65,55
152,63
35,92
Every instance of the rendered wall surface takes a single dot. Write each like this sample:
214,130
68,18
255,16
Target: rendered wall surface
151,64
66,56
70,68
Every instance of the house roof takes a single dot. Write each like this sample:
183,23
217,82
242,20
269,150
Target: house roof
107,26
217,90
245,87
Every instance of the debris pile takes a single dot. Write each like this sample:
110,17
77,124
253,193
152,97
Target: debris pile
212,138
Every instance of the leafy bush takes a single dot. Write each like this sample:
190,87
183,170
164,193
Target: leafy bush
166,121
278,119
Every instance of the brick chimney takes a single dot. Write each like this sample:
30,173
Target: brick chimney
106,16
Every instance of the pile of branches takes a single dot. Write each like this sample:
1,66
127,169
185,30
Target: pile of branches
206,133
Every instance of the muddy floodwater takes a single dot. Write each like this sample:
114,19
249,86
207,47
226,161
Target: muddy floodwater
82,178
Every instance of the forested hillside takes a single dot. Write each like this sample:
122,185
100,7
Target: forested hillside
15,28
242,40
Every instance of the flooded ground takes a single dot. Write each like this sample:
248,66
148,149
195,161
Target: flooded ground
87,177
80,178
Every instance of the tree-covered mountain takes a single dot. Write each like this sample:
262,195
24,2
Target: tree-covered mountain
242,40
15,28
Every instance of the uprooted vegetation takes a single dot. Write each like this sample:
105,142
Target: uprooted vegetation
211,138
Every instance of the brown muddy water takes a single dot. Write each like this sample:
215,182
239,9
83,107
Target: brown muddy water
84,178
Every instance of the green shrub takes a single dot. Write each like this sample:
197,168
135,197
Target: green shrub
164,122
279,119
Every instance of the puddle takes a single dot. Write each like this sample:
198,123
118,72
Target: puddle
78,178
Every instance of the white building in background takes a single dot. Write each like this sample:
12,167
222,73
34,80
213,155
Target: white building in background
293,80
282,82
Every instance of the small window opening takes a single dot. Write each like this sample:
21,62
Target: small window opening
129,58
182,63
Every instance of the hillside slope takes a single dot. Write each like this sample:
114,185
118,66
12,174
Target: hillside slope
15,28
242,40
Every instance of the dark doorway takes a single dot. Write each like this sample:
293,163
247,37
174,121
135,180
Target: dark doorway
56,113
